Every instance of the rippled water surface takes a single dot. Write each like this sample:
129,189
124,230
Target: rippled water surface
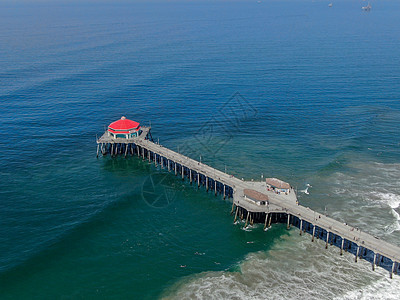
289,89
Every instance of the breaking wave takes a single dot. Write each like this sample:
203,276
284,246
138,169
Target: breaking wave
372,194
295,268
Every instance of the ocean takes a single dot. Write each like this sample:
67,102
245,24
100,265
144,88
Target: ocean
289,89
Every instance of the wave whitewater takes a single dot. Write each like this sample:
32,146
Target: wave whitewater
280,274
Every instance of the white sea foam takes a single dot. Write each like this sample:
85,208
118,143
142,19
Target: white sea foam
389,229
249,228
383,289
395,226
396,215
295,268
368,197
391,199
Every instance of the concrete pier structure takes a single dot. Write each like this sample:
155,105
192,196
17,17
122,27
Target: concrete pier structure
266,202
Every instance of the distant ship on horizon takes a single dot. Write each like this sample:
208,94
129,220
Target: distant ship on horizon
330,4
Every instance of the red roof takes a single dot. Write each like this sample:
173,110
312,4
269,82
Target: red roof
255,195
123,124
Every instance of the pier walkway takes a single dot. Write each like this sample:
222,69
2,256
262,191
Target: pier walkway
255,202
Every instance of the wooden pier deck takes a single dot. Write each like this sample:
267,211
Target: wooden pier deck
282,207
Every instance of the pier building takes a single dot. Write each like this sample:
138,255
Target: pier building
277,185
123,128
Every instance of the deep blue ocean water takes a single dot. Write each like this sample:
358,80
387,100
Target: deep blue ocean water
290,89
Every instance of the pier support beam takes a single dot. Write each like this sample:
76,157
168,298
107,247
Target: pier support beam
313,233
233,207
247,218
98,146
237,209
288,221
126,149
224,191
374,262
206,183
169,165
358,250
198,180
301,226
327,240
341,247
215,187
266,219
391,272
270,220
190,176
176,171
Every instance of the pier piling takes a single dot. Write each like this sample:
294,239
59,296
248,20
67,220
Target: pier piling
266,219
288,222
301,226
237,210
358,249
327,240
247,218
313,233
391,272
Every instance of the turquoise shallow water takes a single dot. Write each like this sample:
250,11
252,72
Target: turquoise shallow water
318,104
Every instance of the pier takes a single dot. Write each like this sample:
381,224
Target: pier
266,202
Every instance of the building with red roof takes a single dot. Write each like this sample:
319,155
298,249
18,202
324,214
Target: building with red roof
124,128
